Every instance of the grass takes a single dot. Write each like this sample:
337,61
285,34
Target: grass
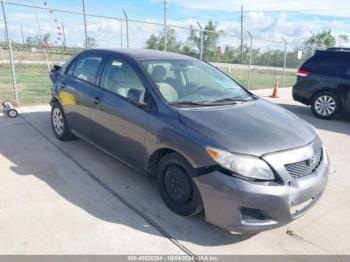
261,79
34,85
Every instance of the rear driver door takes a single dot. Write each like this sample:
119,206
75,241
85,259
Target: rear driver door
74,91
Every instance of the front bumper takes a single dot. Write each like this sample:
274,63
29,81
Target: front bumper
238,205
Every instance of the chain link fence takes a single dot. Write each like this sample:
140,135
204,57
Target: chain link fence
53,35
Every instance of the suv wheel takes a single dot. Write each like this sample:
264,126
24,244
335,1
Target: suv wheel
325,105
174,179
59,124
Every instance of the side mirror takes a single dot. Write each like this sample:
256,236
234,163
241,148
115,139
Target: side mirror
57,67
136,96
54,73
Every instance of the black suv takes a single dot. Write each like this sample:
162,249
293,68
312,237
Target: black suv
323,82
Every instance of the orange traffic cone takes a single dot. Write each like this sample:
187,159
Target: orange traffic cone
275,90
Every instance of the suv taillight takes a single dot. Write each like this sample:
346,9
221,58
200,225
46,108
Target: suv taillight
303,72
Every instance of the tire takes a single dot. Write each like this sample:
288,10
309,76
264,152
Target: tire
175,184
59,123
12,113
325,105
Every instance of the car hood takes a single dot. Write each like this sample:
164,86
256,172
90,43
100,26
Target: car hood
255,128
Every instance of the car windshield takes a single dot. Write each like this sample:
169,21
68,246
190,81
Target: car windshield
192,82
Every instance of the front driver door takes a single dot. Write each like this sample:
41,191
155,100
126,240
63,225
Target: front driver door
118,125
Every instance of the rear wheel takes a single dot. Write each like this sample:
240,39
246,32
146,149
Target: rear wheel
174,178
59,124
325,105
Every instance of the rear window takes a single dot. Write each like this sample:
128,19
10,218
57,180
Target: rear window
335,63
86,67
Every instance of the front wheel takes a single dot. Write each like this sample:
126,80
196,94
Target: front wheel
59,124
325,105
175,184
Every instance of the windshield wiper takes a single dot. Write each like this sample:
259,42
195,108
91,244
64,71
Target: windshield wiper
190,103
228,99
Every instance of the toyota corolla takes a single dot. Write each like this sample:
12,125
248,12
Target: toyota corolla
211,145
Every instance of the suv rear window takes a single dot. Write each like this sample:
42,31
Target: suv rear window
329,62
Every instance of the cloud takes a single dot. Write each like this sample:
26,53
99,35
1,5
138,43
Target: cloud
259,5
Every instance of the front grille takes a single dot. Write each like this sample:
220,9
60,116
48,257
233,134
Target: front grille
305,167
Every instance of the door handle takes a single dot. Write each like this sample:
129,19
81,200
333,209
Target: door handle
96,100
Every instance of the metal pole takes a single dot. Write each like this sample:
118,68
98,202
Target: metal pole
121,33
64,37
201,41
165,29
23,43
250,58
5,37
85,26
285,62
127,28
13,70
241,59
42,38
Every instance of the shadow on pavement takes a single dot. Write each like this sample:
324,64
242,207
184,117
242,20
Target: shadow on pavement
31,154
340,124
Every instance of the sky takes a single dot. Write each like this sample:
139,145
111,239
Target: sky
267,20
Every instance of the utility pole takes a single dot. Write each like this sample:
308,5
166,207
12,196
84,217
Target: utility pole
165,31
64,37
241,33
41,38
85,27
22,36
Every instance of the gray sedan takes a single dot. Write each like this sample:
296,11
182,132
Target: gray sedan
211,145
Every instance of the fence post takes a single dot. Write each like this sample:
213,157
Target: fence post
250,58
13,70
284,62
165,28
121,33
201,41
127,28
85,26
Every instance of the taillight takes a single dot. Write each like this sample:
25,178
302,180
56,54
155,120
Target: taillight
303,72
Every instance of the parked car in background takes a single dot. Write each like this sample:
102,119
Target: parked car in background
210,143
323,82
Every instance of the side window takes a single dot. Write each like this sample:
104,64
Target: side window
86,67
119,77
71,67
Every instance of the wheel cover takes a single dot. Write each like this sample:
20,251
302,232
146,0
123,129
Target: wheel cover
176,185
12,113
57,121
325,105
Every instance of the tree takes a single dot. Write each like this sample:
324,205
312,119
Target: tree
210,40
157,42
37,40
342,39
323,39
91,42
46,37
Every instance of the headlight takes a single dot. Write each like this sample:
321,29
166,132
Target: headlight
246,166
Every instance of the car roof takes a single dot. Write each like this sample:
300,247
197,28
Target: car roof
333,52
142,54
